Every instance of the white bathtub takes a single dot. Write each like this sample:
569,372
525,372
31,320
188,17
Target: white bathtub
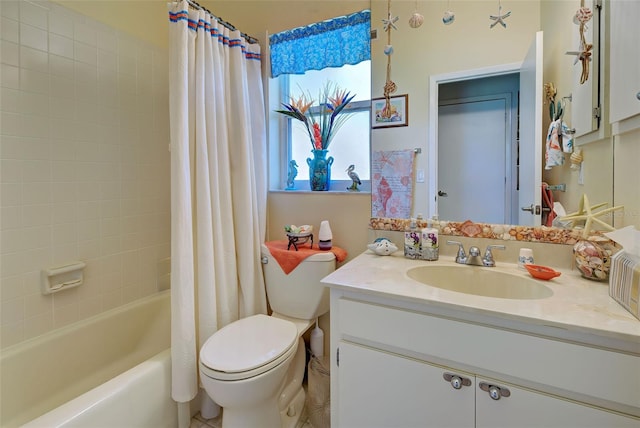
111,370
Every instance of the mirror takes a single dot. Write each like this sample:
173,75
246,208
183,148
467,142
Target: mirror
436,50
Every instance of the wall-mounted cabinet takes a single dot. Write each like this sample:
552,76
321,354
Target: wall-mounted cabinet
624,69
588,93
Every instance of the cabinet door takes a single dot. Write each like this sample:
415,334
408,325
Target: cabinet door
625,59
381,389
525,408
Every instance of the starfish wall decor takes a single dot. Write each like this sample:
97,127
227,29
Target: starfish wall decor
499,18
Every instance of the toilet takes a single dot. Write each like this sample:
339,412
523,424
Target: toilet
253,368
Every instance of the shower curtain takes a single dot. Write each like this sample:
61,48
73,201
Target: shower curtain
218,184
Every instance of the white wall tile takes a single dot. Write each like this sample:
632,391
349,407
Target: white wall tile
10,100
107,41
63,150
34,59
34,81
10,217
64,233
61,23
10,171
79,169
37,259
10,53
65,315
36,304
37,325
64,171
127,65
12,264
34,37
9,76
35,237
36,215
88,210
61,66
85,53
9,30
61,46
36,193
33,14
86,33
33,103
86,73
64,212
63,108
10,9
12,311
12,287
11,194
36,170
34,126
64,191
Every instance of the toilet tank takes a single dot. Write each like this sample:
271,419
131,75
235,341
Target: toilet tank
298,294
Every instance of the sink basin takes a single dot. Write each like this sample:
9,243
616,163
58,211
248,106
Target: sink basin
480,281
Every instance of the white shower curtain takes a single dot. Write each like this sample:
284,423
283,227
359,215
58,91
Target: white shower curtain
218,185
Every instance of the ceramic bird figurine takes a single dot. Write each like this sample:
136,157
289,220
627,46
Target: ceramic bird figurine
354,178
293,172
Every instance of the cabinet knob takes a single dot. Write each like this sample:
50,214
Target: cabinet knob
494,391
638,95
456,381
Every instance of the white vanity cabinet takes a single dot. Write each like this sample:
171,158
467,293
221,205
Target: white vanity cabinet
397,363
624,60
383,389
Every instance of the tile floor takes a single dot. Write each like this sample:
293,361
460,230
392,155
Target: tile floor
199,422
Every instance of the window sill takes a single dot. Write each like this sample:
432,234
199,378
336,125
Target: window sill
323,192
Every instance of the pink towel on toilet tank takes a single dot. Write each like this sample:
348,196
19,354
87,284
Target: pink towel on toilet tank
290,259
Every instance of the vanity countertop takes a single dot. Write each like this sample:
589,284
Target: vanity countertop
579,310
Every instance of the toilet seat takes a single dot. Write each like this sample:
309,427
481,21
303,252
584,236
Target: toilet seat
248,347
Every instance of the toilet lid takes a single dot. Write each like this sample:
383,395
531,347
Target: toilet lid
248,343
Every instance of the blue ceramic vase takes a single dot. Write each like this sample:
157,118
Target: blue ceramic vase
320,170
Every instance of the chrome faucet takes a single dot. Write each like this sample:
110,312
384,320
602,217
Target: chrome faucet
473,259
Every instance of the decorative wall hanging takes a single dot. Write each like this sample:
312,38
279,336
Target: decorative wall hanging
500,17
550,93
389,86
583,54
448,17
389,112
416,19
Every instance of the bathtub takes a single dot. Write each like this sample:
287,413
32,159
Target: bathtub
110,370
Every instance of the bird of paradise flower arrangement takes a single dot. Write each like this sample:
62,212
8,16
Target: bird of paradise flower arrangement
323,121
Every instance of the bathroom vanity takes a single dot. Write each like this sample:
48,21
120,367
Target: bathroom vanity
406,354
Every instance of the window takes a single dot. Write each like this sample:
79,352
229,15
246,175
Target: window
351,144
303,60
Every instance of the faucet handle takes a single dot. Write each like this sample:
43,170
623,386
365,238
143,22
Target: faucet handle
461,257
488,260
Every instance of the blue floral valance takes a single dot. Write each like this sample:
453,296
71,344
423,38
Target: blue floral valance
331,43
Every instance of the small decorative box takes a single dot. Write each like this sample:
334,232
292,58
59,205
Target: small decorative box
624,281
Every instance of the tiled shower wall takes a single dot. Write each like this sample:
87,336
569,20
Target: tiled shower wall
84,166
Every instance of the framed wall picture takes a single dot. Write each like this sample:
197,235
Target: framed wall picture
399,115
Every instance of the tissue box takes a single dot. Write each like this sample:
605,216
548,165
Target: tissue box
624,281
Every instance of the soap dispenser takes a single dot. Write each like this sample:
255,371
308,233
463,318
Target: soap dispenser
430,240
412,240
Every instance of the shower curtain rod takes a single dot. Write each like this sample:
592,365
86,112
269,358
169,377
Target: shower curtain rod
224,23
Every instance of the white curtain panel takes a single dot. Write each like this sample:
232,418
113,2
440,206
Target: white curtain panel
218,185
